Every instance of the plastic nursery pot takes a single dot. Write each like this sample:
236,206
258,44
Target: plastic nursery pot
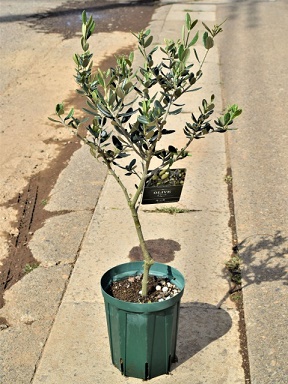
142,336
164,191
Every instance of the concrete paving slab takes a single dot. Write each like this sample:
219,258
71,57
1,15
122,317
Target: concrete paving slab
18,358
83,169
59,240
23,306
30,317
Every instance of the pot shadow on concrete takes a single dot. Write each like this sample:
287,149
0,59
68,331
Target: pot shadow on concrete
264,258
199,325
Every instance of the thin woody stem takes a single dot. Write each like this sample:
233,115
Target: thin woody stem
148,260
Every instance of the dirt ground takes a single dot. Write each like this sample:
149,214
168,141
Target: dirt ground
37,72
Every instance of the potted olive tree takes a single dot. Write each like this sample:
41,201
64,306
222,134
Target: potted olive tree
128,110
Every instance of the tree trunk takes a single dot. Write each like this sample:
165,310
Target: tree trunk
148,260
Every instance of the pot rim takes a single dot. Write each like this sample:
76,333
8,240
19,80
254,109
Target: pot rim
122,271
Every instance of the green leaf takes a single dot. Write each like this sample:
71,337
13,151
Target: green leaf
219,122
133,162
149,135
91,105
83,120
117,143
176,112
85,62
205,35
196,55
158,106
207,28
128,86
181,52
146,33
131,165
148,41
188,21
55,121
91,24
84,17
172,149
83,42
167,131
227,118
122,155
70,114
153,50
100,78
59,109
120,93
192,79
193,24
186,55
194,40
210,107
209,43
88,111
84,28
128,113
103,110
234,111
183,33
178,92
238,113
143,120
75,58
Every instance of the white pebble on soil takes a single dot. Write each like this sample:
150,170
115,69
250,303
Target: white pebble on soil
158,288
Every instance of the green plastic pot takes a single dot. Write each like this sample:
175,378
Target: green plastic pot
142,336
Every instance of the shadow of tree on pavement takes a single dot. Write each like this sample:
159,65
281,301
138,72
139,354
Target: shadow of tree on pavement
264,258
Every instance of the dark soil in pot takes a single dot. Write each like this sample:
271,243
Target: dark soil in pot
129,289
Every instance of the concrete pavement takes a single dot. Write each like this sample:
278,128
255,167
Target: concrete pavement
78,246
256,76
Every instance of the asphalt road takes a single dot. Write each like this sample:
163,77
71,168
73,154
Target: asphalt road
254,73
